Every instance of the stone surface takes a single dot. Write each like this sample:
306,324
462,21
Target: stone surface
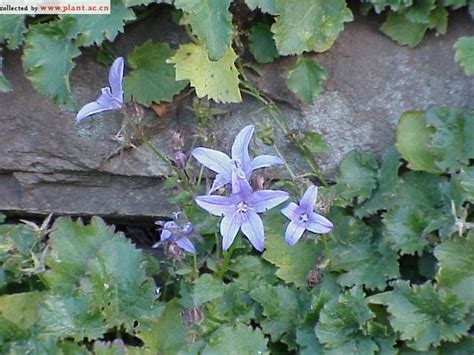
48,164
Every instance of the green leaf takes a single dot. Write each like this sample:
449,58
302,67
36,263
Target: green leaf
210,21
12,29
399,28
464,47
342,324
253,271
420,11
466,181
456,266
283,308
305,79
237,339
261,43
364,258
166,334
69,316
405,229
423,315
394,5
412,139
314,142
5,85
95,29
293,262
218,81
152,78
207,288
452,140
357,178
268,6
47,59
105,266
387,180
319,23
307,342
455,4
21,308
439,20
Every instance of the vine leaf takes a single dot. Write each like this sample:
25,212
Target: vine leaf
268,6
464,47
423,315
237,339
218,80
357,178
210,21
305,79
261,43
152,79
47,59
95,29
456,266
319,23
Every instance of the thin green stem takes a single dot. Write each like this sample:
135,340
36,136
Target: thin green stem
199,179
284,162
225,263
218,246
192,37
195,268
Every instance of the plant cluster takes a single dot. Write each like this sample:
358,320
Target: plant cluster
393,276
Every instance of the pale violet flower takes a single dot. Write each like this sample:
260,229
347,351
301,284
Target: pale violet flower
179,235
111,97
240,209
221,163
302,217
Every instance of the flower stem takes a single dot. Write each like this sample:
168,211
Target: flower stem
225,263
284,162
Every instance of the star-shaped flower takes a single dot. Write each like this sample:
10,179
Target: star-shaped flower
172,233
302,217
240,209
111,97
221,163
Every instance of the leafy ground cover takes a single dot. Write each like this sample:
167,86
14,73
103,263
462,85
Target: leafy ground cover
395,275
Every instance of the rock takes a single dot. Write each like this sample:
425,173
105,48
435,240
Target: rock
49,164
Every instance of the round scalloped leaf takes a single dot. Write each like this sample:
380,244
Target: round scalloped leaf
237,339
261,43
319,23
399,28
268,6
412,141
12,29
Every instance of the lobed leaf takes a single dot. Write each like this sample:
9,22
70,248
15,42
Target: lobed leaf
12,30
399,28
268,6
237,339
261,43
218,80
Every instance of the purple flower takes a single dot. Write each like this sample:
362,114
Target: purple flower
240,209
111,97
222,164
302,217
172,233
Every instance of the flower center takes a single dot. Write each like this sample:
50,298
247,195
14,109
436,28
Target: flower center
303,218
242,207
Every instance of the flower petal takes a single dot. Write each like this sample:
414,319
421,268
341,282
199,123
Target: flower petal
104,102
253,230
165,235
291,211
293,233
318,224
230,225
308,200
219,181
214,160
116,77
216,205
264,200
240,185
185,244
264,161
240,148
